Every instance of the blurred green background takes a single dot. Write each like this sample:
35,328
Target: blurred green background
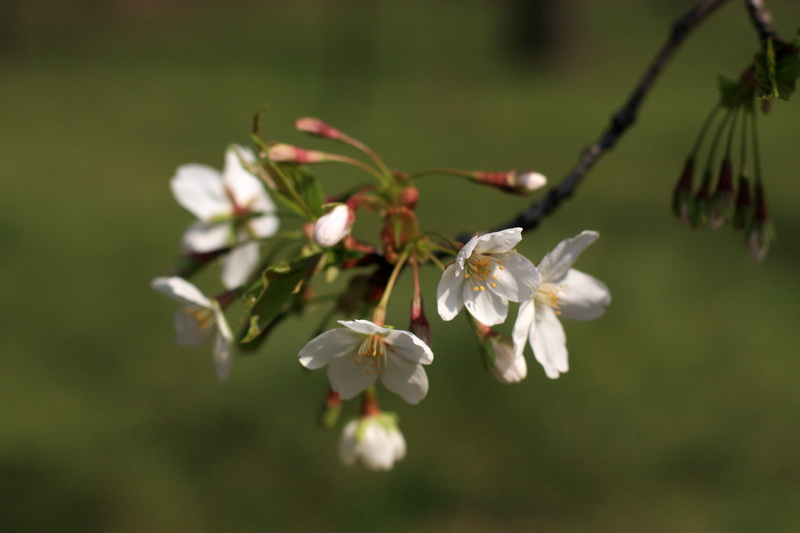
681,411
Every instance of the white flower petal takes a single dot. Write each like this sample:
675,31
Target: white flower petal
408,346
522,326
486,305
244,187
405,378
348,443
464,254
549,342
203,236
498,241
365,327
327,346
556,264
223,345
200,190
189,331
518,280
180,290
263,226
398,443
239,264
376,447
449,299
349,378
583,297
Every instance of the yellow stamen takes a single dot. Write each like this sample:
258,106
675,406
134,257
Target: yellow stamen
372,352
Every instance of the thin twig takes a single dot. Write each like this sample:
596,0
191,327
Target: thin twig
761,18
620,121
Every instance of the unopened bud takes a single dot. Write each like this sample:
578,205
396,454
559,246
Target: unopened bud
315,126
286,153
760,234
721,203
741,213
333,226
508,366
700,201
527,181
330,410
682,194
499,356
409,197
419,325
513,181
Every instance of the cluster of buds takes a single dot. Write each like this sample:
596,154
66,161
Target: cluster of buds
240,211
731,189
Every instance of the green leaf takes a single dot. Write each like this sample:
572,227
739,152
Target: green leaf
274,293
309,188
777,69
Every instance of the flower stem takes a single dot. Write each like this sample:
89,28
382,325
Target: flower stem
379,314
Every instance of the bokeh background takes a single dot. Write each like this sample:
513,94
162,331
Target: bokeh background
681,411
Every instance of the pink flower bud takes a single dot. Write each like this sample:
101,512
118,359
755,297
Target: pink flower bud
333,226
315,126
286,153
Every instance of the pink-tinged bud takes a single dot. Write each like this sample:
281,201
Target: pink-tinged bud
701,200
419,325
682,194
409,197
333,226
760,234
721,203
527,181
286,153
315,126
330,410
741,213
515,182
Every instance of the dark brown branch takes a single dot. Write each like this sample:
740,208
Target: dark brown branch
620,122
761,18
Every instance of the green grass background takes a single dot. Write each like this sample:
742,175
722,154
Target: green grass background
681,411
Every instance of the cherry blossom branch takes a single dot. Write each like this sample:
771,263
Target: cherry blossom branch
761,18
626,116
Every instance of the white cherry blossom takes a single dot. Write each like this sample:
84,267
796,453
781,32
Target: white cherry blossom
233,210
375,439
196,320
564,292
362,352
486,275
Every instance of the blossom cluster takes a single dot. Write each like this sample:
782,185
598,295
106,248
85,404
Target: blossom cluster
243,210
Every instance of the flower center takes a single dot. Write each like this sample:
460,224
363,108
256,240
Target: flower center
203,316
547,294
372,352
480,270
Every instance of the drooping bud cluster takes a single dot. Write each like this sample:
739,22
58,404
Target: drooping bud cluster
724,195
